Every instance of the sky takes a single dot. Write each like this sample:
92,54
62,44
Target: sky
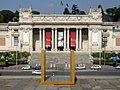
55,6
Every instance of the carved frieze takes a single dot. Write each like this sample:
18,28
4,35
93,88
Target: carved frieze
83,18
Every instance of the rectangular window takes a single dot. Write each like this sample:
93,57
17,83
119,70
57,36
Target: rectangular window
2,41
16,30
117,41
16,41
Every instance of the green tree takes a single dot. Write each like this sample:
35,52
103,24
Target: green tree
16,18
66,11
75,9
8,16
1,18
35,12
114,13
16,14
81,12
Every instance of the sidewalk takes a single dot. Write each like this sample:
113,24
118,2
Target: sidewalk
33,83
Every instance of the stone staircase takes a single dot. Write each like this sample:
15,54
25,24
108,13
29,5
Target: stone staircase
60,57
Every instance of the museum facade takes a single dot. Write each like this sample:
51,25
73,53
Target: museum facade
60,32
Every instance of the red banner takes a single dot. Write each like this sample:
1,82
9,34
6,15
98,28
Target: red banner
48,38
72,38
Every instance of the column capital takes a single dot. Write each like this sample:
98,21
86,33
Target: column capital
66,28
55,28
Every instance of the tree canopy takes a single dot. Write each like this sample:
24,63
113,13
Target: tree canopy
35,12
114,13
7,15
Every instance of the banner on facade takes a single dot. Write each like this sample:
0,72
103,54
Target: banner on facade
72,38
60,39
48,39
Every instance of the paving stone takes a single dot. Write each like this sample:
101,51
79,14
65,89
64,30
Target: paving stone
65,88
86,85
114,81
82,84
7,88
86,88
41,87
76,88
59,78
109,89
105,84
51,87
21,85
13,83
97,87
83,81
92,82
29,88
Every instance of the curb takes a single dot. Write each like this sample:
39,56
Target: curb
79,77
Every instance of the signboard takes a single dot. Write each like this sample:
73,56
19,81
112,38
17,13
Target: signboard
72,38
60,39
25,37
95,38
48,39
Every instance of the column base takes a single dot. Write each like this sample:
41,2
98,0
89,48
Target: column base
53,49
65,49
78,49
68,49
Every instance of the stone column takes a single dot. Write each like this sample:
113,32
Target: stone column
43,38
31,39
76,39
80,39
10,39
100,39
90,39
64,39
40,38
68,39
52,39
55,39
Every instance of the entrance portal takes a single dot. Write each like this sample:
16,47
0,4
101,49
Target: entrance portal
72,38
60,41
48,39
36,39
85,39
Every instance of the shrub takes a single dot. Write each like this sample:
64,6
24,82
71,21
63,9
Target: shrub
105,55
118,55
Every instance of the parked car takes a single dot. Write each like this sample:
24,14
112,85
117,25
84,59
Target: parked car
36,72
27,67
80,67
117,67
96,67
36,67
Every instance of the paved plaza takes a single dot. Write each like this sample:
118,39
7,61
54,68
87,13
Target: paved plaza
81,84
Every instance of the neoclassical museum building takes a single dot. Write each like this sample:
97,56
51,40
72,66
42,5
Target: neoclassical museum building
60,32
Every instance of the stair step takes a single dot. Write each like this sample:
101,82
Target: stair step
60,57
